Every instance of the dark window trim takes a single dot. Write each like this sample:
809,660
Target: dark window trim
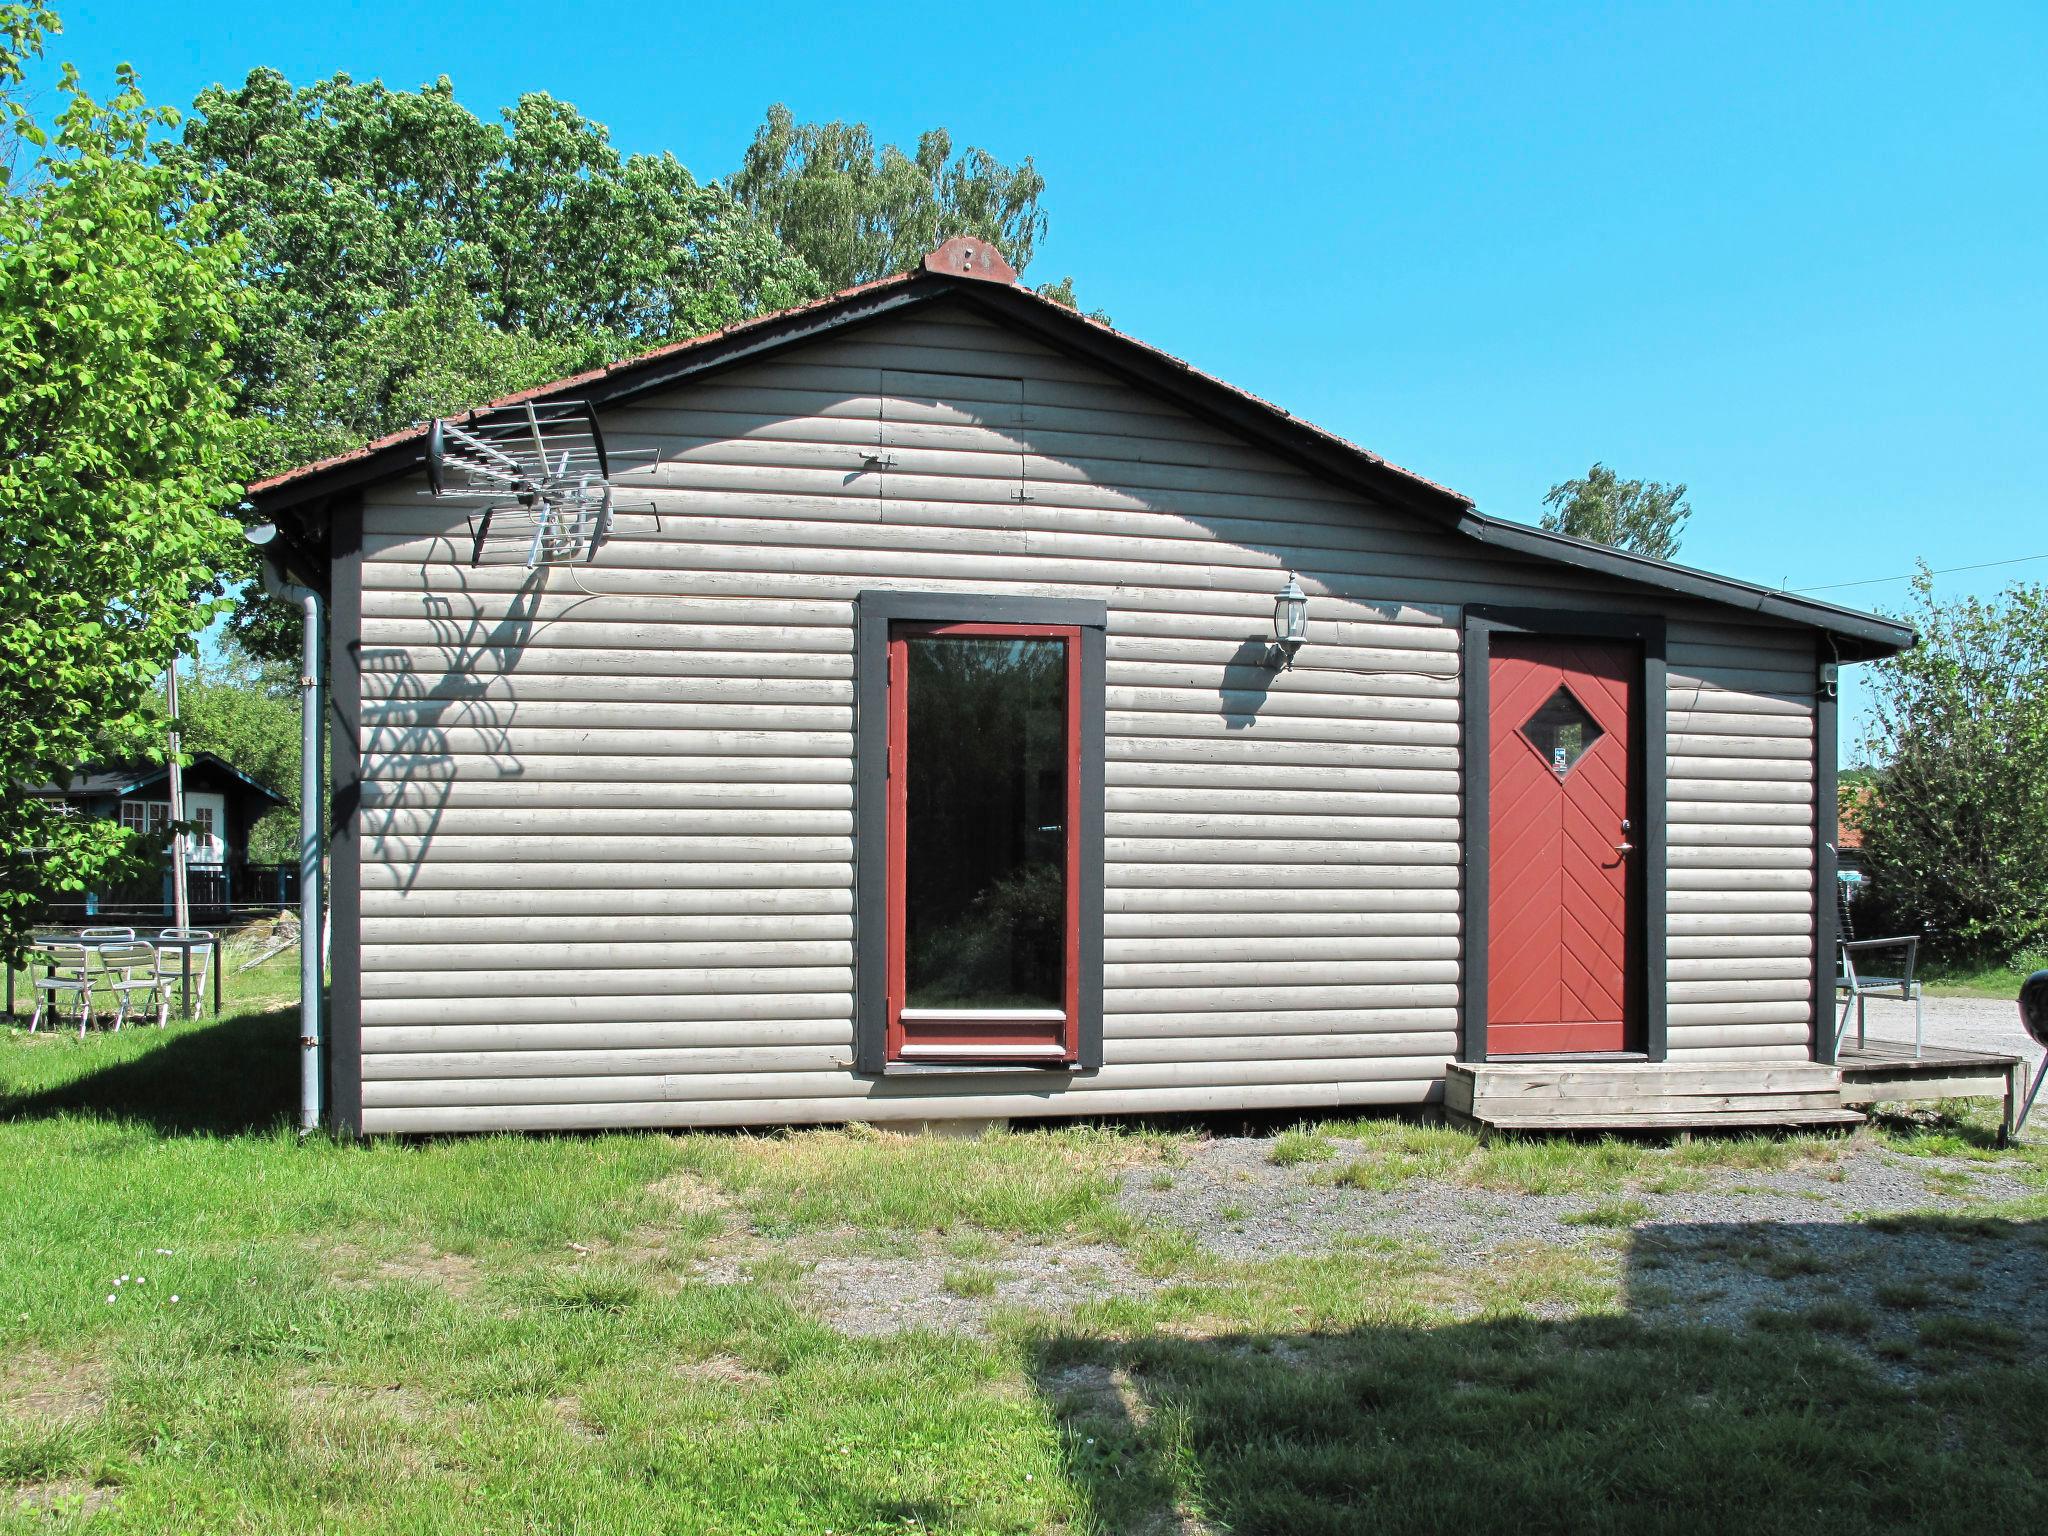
874,613
1827,811
1647,892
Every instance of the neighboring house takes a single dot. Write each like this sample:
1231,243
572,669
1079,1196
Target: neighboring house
926,759
222,805
1848,835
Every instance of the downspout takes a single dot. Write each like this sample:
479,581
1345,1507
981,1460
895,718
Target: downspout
312,726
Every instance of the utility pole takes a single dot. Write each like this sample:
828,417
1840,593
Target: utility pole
180,906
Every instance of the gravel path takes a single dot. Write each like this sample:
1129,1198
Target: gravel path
1243,1206
1868,1245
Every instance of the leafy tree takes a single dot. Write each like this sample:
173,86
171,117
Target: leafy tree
22,29
1956,824
403,259
247,710
854,212
115,457
1643,516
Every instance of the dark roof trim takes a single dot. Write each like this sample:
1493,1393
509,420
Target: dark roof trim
1210,398
121,782
1865,636
403,452
1221,404
1860,636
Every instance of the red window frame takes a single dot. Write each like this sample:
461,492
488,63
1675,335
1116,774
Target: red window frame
1027,1036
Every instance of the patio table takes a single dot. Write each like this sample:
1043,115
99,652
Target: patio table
184,946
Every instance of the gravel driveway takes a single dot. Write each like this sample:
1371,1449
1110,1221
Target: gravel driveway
1961,1023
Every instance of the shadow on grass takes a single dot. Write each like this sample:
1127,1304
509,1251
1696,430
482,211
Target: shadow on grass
1635,1422
225,1078
1907,1122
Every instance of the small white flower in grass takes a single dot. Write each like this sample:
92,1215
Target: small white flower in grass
164,1251
110,1300
142,1279
174,1298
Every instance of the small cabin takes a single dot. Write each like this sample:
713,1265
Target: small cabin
222,805
966,710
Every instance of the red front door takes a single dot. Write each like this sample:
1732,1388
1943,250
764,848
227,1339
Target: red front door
1559,919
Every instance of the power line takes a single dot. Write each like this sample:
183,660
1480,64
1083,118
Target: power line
1879,581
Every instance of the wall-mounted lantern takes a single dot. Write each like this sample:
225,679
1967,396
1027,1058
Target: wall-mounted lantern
1290,624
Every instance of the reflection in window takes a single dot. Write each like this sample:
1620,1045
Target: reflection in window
1562,731
985,893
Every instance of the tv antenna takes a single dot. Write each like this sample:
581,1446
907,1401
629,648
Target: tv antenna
543,466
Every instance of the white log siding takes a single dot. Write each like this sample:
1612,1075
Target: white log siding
607,815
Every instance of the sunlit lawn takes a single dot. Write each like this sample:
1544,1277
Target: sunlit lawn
205,1325
1964,979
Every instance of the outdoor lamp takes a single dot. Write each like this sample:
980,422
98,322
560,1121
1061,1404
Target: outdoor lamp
1290,624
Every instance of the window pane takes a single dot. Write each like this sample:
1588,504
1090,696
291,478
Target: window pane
985,836
1562,731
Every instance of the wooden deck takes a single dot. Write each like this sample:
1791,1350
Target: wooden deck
1616,1095
1567,1095
1888,1071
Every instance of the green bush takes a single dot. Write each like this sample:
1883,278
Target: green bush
1955,823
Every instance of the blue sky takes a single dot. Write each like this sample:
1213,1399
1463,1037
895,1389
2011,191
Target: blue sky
1789,254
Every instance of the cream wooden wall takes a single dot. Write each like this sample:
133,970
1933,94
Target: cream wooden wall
607,815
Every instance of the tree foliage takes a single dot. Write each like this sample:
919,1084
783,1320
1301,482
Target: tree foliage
1955,825
854,212
22,30
115,458
404,258
1642,516
247,710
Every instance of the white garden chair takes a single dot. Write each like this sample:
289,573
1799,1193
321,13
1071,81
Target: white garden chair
183,956
129,972
67,973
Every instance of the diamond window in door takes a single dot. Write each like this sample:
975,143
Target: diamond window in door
1562,731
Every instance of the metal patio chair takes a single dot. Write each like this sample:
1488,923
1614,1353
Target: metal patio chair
1866,972
128,972
100,935
67,972
183,956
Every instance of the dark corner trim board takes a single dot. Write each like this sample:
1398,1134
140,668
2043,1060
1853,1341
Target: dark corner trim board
1647,889
344,892
875,612
1826,814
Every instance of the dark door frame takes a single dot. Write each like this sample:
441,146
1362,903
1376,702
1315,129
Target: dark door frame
1646,893
875,613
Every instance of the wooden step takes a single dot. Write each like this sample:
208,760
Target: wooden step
1621,1095
1658,1120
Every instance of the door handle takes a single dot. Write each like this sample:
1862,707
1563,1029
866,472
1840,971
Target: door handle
1624,849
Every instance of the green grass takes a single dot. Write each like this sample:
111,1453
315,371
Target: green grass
1979,978
620,1333
1384,1154
1610,1213
1292,1148
970,1282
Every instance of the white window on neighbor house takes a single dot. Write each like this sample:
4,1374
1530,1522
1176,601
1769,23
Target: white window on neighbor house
200,844
145,815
